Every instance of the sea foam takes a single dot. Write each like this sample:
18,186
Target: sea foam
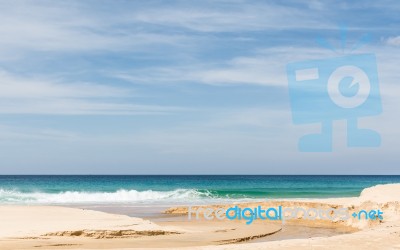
120,196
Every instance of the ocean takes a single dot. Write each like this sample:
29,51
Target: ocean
177,189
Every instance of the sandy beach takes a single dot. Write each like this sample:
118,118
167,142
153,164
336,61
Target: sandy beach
52,227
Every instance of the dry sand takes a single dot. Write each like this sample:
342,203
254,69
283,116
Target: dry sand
49,227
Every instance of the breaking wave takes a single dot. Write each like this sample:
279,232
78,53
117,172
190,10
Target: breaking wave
120,196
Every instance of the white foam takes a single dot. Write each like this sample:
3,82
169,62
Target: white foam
120,196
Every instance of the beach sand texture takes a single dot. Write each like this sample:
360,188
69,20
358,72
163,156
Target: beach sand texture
51,227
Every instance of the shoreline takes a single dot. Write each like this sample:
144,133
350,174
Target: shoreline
54,227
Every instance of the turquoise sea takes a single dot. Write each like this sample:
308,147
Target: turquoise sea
177,189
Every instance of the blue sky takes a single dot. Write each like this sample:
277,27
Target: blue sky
181,87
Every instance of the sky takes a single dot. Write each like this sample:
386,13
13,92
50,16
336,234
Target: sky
183,87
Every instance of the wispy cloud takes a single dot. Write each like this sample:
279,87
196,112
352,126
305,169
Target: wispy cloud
72,27
218,66
222,16
82,107
394,41
263,66
9,133
35,95
33,87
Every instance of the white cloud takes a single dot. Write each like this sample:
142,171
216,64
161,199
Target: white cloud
81,107
19,133
70,26
14,86
264,67
394,41
261,70
34,95
78,26
228,17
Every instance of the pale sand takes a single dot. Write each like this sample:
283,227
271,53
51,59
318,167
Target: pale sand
47,227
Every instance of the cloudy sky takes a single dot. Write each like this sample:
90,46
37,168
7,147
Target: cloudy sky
182,87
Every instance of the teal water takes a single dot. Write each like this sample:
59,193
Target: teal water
177,189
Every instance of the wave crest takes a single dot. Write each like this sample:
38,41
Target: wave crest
120,196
